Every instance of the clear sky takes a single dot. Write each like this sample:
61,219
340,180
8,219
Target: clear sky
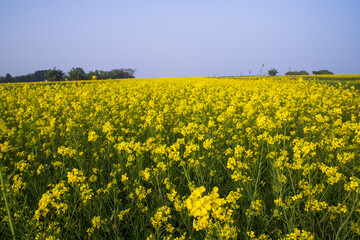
176,38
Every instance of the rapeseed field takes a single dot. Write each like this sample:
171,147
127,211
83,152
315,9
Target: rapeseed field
180,158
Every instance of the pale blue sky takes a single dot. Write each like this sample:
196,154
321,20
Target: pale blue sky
176,38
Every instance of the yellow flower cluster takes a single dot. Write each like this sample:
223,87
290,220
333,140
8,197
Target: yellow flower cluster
18,183
75,176
116,159
200,207
255,208
92,136
299,235
161,216
96,224
52,198
66,151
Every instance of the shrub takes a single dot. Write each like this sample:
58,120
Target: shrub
54,74
322,72
297,73
273,72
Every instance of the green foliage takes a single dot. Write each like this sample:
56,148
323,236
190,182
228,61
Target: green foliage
95,73
113,74
77,74
273,72
8,77
54,74
122,73
297,73
38,76
5,79
74,74
322,72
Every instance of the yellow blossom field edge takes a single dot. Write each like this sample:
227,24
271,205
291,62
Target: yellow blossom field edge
180,158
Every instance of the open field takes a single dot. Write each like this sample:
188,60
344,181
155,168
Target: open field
346,79
335,77
180,158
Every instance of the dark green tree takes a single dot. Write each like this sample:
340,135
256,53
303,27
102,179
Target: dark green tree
322,72
122,73
297,73
272,72
95,73
39,76
104,75
8,77
77,74
54,74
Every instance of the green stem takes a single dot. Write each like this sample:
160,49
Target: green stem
7,205
186,175
350,214
217,229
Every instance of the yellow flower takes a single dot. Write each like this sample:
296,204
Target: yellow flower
141,192
40,169
208,144
161,216
75,176
256,208
122,213
315,205
353,185
92,136
145,174
299,235
124,178
18,183
5,147
66,151
200,207
86,193
96,222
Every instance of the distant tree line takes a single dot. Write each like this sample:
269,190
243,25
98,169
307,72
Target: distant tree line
74,74
297,73
320,72
273,72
